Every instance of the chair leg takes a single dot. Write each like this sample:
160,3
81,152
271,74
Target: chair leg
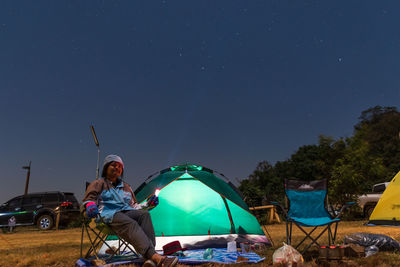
315,240
308,235
92,247
121,243
287,233
329,235
100,237
289,230
334,234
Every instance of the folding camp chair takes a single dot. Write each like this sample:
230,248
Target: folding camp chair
97,232
307,207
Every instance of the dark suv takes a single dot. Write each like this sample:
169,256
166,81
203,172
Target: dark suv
40,209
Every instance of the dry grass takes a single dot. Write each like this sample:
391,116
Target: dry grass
278,234
38,248
30,247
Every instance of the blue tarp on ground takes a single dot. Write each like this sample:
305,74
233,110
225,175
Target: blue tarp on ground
220,255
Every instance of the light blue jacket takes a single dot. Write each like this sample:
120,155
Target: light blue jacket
110,199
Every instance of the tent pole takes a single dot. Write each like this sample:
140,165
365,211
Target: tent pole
262,226
230,215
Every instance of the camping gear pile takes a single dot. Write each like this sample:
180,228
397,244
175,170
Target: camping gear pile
355,246
225,255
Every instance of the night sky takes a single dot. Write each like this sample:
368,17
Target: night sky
223,84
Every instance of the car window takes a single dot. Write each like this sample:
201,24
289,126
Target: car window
70,197
50,198
379,188
31,200
16,202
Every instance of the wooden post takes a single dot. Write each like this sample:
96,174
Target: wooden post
276,215
272,214
27,177
58,218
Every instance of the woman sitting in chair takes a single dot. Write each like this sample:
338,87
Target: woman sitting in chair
115,201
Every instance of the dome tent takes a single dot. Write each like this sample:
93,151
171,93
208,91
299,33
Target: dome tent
387,210
199,209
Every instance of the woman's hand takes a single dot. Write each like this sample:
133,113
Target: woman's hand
152,202
91,209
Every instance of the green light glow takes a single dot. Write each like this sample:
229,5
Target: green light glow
195,210
188,167
186,175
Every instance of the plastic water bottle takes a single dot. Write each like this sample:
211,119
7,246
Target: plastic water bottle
232,246
208,254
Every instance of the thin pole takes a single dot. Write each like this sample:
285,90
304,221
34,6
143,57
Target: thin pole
27,177
259,220
98,160
96,141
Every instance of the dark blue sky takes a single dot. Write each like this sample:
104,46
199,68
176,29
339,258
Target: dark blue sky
225,84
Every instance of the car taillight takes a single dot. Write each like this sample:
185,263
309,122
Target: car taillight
66,204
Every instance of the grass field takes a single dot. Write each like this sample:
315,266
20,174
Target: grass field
30,247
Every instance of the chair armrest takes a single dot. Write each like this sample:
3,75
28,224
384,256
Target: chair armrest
345,206
277,204
86,219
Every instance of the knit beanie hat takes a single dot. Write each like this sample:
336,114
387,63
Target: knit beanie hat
108,160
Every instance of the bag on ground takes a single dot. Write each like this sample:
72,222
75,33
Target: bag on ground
287,256
383,242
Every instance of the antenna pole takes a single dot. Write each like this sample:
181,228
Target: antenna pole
96,141
98,160
27,177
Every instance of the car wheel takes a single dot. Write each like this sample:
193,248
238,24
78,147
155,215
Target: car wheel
369,210
45,222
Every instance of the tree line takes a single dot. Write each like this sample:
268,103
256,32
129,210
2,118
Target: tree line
352,165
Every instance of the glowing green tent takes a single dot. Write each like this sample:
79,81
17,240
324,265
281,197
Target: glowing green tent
196,207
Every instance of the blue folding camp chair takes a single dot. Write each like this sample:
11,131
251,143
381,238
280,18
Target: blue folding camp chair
97,234
307,207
